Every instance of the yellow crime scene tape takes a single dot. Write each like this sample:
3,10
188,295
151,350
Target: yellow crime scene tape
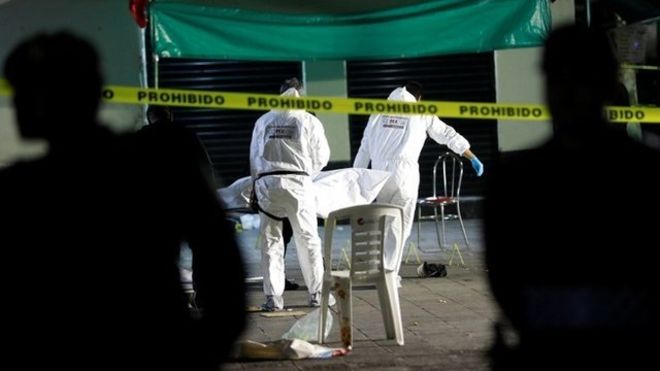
355,106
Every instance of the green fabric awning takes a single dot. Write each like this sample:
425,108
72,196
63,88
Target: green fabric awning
208,29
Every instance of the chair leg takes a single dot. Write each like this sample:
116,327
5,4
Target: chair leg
325,296
460,219
344,291
437,228
444,232
389,296
386,308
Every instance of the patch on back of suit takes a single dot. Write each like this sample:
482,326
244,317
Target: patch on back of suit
394,122
290,132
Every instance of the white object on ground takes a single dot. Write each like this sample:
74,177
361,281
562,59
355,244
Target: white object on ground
306,327
286,349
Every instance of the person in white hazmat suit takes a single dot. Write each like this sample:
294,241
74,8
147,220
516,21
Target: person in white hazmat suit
288,149
394,143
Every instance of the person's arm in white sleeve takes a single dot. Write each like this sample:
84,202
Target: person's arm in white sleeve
364,155
320,150
445,134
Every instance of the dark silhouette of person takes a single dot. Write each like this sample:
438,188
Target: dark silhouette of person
163,131
91,234
181,146
569,244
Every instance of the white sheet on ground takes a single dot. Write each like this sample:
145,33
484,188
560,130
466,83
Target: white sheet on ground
334,189
284,349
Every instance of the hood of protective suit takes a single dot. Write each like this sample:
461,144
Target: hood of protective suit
291,92
401,94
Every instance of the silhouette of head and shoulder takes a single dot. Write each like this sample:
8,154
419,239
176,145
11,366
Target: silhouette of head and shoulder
557,217
580,72
96,216
57,84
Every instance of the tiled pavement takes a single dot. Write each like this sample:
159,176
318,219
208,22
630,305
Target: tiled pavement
447,321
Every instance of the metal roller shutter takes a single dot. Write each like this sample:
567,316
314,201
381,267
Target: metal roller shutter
226,134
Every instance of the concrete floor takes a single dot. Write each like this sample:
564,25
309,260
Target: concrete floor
447,321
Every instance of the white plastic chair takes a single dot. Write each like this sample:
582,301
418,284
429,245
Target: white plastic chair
366,269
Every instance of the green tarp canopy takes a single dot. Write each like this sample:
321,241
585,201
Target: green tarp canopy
333,30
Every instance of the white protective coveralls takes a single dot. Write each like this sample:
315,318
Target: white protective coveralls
294,141
394,143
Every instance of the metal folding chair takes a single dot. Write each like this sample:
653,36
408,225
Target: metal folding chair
451,176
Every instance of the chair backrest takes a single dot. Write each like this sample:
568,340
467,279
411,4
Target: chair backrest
368,224
452,175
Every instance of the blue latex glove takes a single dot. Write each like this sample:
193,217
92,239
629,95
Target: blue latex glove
477,165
